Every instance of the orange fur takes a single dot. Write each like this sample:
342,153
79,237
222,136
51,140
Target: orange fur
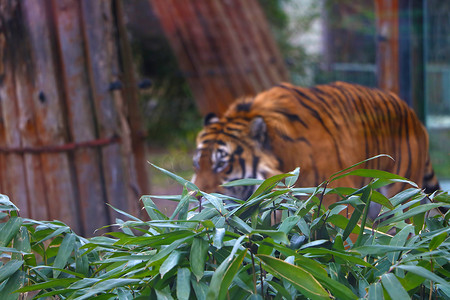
322,129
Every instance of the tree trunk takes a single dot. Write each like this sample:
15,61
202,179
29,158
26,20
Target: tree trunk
224,48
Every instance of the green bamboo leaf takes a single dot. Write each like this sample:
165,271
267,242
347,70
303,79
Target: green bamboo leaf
170,262
240,225
338,244
437,240
372,173
381,199
81,261
9,268
206,214
265,246
131,217
11,250
380,249
8,290
51,283
163,294
9,230
243,182
22,242
289,223
345,256
177,178
352,223
290,181
230,273
58,292
166,250
183,284
421,271
84,283
218,237
104,286
216,202
444,289
6,204
304,227
342,222
198,256
411,280
399,240
268,184
393,287
311,265
375,291
64,252
318,271
404,196
280,289
277,236
218,275
156,240
302,280
410,213
54,233
200,289
182,206
333,177
151,209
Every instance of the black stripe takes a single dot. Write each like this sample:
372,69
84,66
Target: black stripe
292,117
432,189
428,176
255,166
246,106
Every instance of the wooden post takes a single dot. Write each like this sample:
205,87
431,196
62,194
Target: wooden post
224,48
65,140
400,51
388,44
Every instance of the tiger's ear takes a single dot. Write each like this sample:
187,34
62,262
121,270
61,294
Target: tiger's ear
258,131
210,119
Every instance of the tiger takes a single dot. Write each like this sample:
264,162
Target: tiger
321,129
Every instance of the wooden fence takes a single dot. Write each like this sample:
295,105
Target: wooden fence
67,147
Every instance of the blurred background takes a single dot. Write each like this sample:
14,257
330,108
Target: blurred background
320,42
91,90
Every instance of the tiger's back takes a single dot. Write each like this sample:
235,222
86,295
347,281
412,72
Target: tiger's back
322,129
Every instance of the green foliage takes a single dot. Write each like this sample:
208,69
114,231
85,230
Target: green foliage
214,249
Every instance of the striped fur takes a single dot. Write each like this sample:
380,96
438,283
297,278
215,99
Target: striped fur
322,129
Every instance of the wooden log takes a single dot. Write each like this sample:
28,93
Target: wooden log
48,109
224,48
23,178
120,188
131,97
80,115
12,166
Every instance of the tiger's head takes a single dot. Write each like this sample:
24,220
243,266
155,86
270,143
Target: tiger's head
233,147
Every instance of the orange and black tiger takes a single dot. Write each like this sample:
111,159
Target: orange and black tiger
322,129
